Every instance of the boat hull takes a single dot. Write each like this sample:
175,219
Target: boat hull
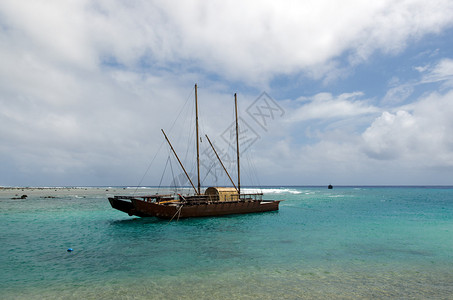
150,209
125,206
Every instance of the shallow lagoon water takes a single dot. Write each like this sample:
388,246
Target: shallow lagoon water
345,243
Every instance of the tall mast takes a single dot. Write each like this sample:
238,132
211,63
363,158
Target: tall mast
237,142
198,146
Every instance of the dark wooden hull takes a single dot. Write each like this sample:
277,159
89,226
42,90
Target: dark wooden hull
125,205
169,211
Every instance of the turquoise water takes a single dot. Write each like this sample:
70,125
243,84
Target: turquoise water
345,243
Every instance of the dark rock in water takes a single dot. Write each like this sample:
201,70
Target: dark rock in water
21,197
330,187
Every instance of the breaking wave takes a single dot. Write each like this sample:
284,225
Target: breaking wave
271,191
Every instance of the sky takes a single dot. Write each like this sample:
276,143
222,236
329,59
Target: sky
329,92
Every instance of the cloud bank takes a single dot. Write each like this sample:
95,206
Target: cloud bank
85,86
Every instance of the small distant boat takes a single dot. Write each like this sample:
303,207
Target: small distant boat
215,201
330,187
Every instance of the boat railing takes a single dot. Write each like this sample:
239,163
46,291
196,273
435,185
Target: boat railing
195,199
148,198
251,197
207,199
245,197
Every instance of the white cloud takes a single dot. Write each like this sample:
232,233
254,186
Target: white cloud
411,144
325,106
419,134
85,86
422,69
398,94
251,41
391,135
442,71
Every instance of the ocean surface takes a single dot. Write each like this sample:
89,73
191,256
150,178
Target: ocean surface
345,243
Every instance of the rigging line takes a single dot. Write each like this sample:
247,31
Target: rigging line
187,123
179,214
231,148
163,173
249,173
172,174
255,174
178,211
232,156
190,159
252,174
255,171
190,148
163,141
209,172
186,116
182,109
190,119
147,169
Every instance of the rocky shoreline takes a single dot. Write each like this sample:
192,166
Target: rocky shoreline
20,193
